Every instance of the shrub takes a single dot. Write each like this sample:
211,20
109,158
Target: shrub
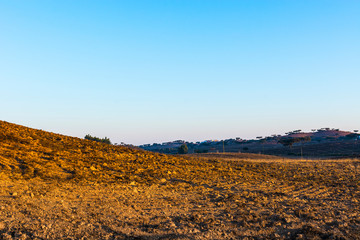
201,151
183,149
96,139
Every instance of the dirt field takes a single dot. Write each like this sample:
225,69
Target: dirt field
249,199
57,187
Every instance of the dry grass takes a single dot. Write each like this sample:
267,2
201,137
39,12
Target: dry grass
57,187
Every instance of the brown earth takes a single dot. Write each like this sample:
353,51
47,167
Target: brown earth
58,187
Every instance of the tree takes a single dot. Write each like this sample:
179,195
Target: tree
286,141
302,140
183,149
290,141
262,142
352,136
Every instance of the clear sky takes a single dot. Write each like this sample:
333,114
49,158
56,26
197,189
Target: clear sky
154,71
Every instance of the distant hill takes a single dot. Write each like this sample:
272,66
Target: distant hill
324,142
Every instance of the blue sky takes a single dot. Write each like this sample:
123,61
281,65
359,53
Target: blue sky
154,71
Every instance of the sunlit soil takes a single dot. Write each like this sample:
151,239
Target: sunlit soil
57,187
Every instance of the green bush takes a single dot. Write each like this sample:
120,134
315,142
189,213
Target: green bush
201,151
183,149
96,139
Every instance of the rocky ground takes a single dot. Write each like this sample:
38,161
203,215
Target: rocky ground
291,200
57,187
